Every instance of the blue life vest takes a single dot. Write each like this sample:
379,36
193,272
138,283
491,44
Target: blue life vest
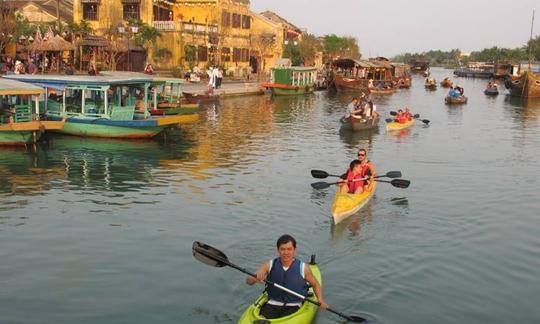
292,279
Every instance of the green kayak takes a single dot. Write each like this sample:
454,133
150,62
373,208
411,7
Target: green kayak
304,315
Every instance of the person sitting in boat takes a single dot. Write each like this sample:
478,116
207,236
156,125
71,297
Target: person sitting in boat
354,180
460,90
401,117
407,114
353,108
370,110
453,92
290,273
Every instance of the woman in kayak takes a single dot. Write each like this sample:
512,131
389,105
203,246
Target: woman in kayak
289,272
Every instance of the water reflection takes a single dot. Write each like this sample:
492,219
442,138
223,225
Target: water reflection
523,110
352,226
356,139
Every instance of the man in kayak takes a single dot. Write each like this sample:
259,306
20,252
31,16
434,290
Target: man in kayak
359,176
289,272
401,117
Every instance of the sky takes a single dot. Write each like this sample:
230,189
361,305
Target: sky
390,27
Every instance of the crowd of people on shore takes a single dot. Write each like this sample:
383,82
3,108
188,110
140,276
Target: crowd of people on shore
33,64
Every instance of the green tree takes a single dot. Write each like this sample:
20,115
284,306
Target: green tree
292,52
335,46
308,48
146,35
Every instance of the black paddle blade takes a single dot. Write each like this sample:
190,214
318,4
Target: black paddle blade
209,255
389,120
319,174
320,185
400,183
393,113
356,319
392,174
425,121
416,116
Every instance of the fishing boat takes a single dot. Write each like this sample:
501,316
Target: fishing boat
292,80
20,123
401,73
106,105
527,85
359,75
446,83
306,313
355,123
419,65
391,126
455,100
346,204
198,98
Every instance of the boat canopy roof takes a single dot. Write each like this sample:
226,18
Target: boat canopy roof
104,78
346,63
12,87
167,80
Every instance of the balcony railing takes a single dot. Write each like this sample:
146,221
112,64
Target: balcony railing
165,25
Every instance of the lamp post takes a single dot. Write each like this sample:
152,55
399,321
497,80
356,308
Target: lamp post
133,29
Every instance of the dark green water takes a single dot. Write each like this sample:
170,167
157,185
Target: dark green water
95,231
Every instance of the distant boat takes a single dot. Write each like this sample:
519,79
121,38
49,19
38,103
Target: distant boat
527,85
455,100
293,80
446,83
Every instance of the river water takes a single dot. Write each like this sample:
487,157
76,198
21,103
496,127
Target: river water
100,231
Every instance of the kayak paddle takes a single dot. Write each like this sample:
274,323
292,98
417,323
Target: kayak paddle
215,258
398,183
416,116
320,174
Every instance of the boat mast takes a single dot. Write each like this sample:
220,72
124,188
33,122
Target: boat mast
530,41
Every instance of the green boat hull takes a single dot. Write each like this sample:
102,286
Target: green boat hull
106,131
305,315
16,138
292,92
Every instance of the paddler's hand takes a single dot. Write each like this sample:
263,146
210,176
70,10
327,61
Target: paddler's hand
323,304
261,275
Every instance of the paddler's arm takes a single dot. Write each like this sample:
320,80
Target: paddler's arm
308,275
261,274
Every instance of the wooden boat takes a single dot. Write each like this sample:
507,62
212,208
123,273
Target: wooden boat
290,81
527,85
345,204
492,91
359,124
167,93
375,90
446,83
430,84
19,113
419,65
455,100
306,313
347,84
391,126
102,106
198,98
404,83
401,75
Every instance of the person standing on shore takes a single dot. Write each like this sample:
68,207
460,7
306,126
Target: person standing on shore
219,77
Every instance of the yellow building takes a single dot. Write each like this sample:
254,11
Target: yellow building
194,32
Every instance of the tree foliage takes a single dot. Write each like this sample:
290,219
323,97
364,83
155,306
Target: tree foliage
336,46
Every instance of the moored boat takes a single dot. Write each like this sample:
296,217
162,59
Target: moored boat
527,85
430,84
455,100
19,114
346,204
359,124
198,98
292,80
304,315
375,90
397,126
108,105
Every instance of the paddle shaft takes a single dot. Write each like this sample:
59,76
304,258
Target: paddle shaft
294,293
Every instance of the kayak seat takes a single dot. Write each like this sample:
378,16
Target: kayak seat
261,322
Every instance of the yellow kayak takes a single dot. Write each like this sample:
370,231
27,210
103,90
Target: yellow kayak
397,126
344,205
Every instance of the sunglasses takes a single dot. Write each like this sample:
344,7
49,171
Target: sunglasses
361,154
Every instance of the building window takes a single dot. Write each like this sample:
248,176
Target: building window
245,55
237,54
90,11
202,53
225,54
236,20
246,22
226,19
131,11
162,14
